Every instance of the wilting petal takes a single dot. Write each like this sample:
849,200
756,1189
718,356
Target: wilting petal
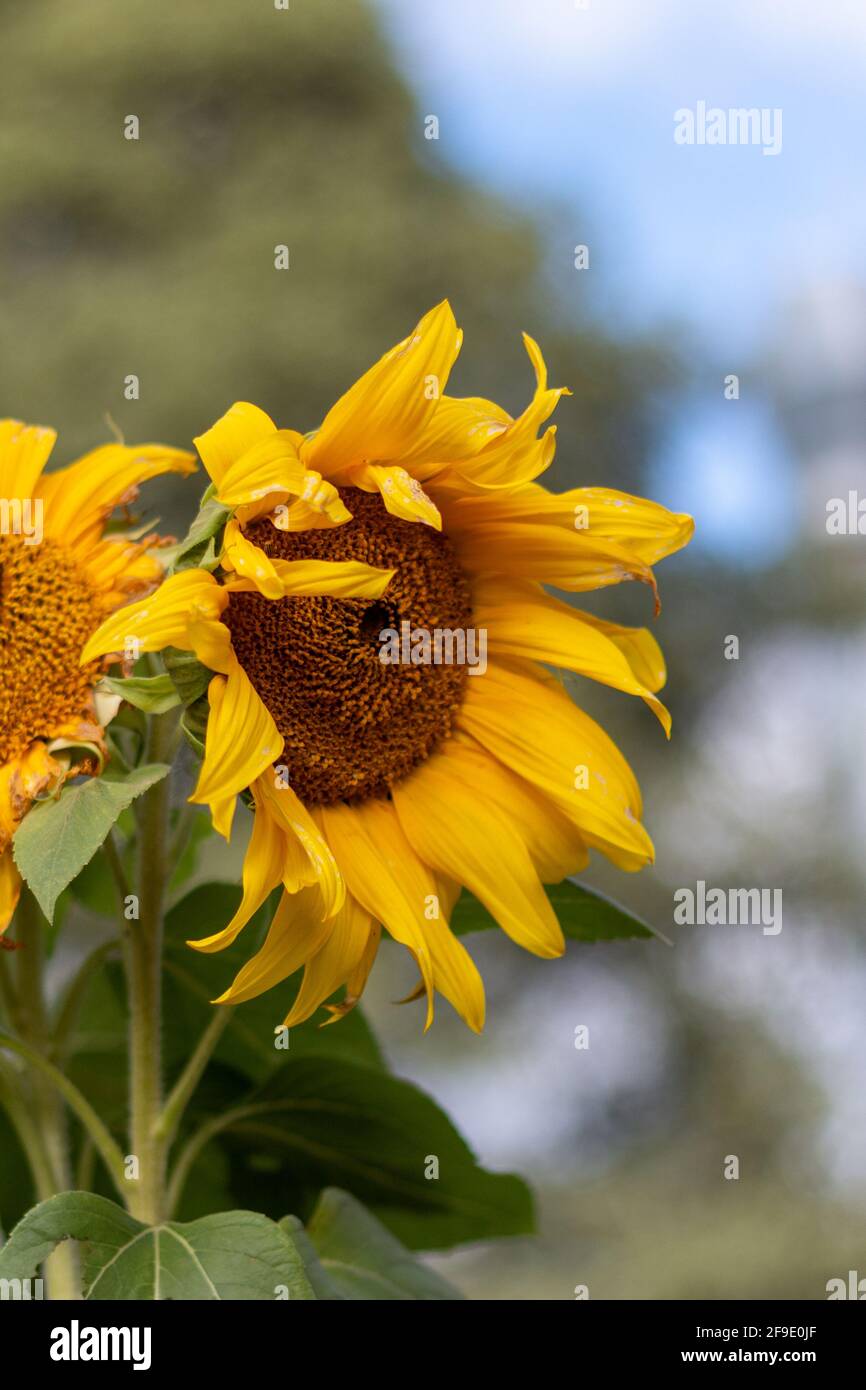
453,826
522,621
528,722
78,499
283,804
242,739
296,933
160,620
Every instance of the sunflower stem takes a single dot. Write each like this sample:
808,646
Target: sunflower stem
144,977
61,1268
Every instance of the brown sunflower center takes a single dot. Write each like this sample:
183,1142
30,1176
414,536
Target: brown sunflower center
47,613
354,725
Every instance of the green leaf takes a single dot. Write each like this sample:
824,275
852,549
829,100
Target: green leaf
233,1255
198,548
322,1122
153,694
584,915
57,838
189,677
350,1255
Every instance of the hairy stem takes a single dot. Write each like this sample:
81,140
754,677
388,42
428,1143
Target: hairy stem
61,1268
144,975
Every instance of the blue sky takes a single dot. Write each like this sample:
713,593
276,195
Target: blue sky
573,108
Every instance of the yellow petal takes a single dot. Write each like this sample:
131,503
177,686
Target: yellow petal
456,827
549,554
269,466
242,426
525,719
249,561
370,865
161,619
298,825
263,870
522,621
296,933
642,528
10,889
402,495
638,646
339,578
24,451
380,416
211,641
242,738
554,845
336,961
79,499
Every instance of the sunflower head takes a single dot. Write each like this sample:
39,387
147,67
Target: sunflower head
60,574
357,570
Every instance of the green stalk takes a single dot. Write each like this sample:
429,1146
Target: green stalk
61,1268
144,977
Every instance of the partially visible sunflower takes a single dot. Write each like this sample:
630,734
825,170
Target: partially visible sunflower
60,574
381,789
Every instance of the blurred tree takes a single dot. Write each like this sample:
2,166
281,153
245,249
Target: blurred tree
154,257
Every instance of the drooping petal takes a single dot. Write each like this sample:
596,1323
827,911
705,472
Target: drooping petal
549,554
644,529
381,415
523,621
402,495
375,877
339,578
453,826
298,825
249,561
295,935
263,870
78,499
10,889
335,963
242,738
160,620
526,720
554,845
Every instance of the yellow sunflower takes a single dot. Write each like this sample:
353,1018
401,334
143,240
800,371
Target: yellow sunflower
381,786
59,576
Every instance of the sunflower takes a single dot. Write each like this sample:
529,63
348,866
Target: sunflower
382,787
60,574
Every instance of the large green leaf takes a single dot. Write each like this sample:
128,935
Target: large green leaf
237,1255
57,838
321,1122
350,1255
584,915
